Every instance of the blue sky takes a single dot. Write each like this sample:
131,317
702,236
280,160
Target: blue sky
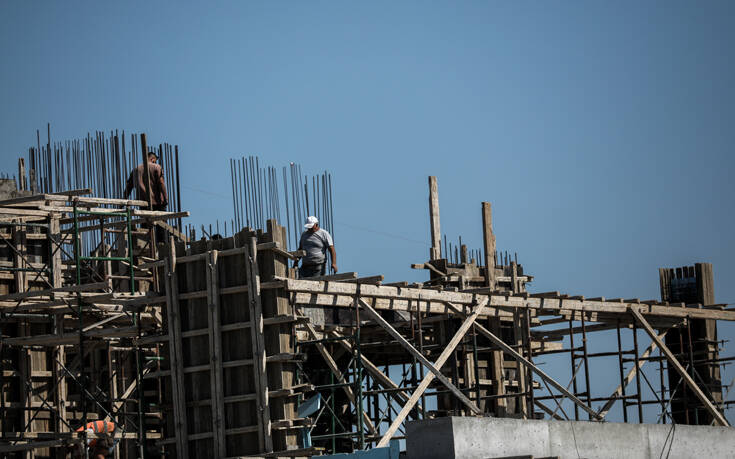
602,132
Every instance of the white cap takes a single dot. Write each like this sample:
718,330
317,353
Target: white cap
311,221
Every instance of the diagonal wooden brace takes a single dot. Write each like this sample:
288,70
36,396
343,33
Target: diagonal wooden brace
719,418
338,375
420,357
446,353
509,350
629,377
400,396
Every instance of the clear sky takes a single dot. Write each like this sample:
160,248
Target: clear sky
602,132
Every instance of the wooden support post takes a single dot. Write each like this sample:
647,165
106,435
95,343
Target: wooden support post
215,353
60,375
54,241
518,332
258,345
629,377
420,357
488,240
171,281
718,417
446,353
22,183
509,350
498,374
436,235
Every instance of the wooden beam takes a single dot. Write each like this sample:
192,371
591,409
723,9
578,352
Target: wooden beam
446,353
179,235
436,236
421,358
437,299
719,418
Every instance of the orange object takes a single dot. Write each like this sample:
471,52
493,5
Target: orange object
98,427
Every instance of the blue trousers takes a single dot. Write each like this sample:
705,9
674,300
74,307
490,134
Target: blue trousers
312,270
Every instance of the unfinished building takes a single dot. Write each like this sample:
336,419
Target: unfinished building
214,348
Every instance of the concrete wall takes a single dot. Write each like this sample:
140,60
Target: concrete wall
468,437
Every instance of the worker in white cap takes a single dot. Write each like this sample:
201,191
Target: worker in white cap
315,241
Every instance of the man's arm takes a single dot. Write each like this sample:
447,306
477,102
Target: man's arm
162,184
130,184
334,258
297,258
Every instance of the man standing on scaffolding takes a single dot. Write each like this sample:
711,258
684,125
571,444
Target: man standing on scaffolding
159,197
315,241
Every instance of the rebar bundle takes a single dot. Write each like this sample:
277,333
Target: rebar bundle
257,196
97,161
102,162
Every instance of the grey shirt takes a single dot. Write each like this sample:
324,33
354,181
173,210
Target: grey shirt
315,244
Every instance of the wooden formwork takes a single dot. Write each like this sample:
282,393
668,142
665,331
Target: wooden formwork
232,361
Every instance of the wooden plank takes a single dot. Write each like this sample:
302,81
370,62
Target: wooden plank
546,305
215,353
436,236
256,333
718,417
488,242
36,293
335,277
509,350
446,353
180,236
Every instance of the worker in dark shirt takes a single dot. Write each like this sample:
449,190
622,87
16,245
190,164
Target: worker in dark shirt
316,241
159,197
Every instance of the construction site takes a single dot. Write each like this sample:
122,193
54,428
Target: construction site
205,341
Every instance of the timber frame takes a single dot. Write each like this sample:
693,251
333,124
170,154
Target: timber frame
237,357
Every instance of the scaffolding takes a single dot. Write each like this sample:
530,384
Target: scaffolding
236,356
70,321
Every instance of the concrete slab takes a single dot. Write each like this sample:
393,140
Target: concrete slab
485,438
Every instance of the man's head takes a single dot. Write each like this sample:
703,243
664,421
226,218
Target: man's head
312,224
152,157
